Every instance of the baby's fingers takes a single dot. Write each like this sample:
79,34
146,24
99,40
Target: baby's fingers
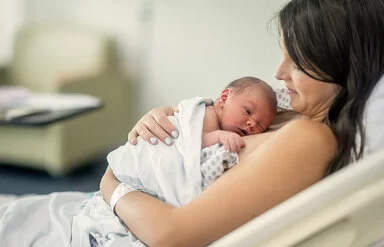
233,145
226,144
238,145
241,142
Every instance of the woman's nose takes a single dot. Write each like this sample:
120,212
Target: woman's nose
278,76
281,72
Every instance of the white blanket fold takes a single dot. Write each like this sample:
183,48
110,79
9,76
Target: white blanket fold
170,173
39,220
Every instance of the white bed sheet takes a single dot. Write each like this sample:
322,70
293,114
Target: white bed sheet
39,220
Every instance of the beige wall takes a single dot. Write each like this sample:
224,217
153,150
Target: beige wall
11,18
176,49
199,46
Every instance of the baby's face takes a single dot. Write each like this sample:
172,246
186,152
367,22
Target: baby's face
247,112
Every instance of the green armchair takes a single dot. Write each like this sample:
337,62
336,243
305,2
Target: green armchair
58,58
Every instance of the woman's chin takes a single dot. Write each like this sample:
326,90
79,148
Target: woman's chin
296,107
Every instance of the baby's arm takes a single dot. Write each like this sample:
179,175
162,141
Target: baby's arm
212,133
230,140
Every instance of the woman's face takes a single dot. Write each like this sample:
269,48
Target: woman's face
310,97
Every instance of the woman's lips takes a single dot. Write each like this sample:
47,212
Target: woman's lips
290,91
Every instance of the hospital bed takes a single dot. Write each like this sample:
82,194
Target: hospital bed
344,209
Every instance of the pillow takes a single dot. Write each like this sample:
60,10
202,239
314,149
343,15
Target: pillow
285,111
374,119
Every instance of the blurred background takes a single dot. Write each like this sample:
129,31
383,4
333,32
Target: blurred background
132,54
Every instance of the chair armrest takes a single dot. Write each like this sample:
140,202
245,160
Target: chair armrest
115,91
4,75
103,86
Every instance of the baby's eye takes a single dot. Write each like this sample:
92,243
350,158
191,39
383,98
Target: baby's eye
247,110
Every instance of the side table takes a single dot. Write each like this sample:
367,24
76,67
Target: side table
54,141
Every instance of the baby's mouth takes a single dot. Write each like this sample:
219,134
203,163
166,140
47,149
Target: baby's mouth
242,132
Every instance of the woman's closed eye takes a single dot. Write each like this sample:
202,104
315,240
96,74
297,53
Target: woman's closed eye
297,68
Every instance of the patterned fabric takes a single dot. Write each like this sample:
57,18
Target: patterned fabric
283,100
215,160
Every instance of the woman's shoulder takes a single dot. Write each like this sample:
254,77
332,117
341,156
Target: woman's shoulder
308,128
210,120
308,135
306,123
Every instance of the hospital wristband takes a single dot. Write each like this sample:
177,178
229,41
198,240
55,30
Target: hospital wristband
121,190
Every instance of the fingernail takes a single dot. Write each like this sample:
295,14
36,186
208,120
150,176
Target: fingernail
168,141
153,140
175,134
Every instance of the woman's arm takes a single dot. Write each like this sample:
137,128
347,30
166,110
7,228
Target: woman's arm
292,159
148,217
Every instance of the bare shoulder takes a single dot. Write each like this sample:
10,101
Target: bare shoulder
308,130
303,135
210,120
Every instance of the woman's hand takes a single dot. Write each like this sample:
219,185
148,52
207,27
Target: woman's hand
155,125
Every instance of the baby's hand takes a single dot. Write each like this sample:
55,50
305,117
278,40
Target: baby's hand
231,141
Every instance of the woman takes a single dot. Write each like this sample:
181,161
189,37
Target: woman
331,62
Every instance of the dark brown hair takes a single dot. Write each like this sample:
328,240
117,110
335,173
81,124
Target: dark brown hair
342,42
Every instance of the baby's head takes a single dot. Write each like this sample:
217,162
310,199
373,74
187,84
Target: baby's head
246,106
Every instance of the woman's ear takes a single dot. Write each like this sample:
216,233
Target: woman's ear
224,95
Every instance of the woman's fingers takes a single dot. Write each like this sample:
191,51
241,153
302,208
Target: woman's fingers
155,126
146,133
165,130
132,136
162,128
140,129
158,132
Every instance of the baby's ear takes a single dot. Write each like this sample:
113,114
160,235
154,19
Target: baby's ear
224,95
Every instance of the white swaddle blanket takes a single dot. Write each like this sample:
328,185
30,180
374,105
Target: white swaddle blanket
170,173
175,174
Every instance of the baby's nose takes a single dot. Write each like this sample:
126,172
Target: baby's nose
251,123
251,126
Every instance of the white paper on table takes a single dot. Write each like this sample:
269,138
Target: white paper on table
58,102
17,102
